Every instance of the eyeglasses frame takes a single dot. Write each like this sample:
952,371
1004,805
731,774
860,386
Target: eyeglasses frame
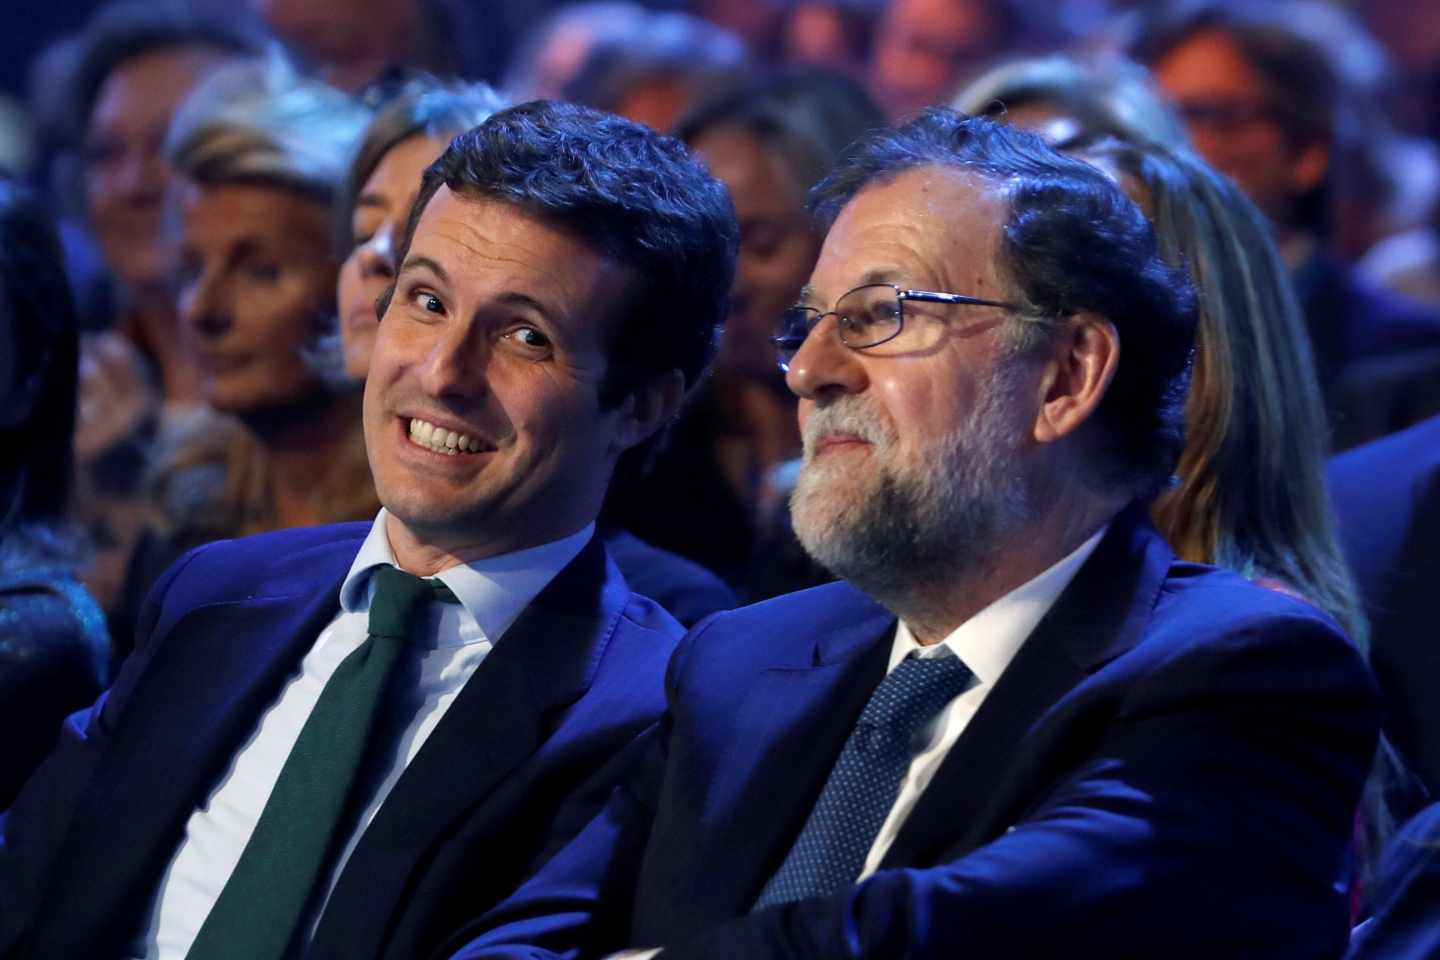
782,342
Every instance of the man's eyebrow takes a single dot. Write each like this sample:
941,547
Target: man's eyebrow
886,275
419,261
807,293
371,200
515,298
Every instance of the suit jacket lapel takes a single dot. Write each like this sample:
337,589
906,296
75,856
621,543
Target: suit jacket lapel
223,665
1100,615
543,664
786,736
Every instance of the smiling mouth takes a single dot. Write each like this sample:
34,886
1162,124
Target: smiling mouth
425,434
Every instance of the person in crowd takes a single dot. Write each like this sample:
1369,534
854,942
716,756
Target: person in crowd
757,23
1407,260
1249,492
264,779
1387,500
351,43
54,652
925,50
404,137
1250,484
1406,920
1068,99
129,69
551,53
406,134
833,34
1410,31
1265,105
1020,724
708,495
116,86
259,154
647,65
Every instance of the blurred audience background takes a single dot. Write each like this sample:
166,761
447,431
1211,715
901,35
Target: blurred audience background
201,201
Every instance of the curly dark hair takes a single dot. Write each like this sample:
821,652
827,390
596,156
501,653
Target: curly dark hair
1303,91
1072,243
638,197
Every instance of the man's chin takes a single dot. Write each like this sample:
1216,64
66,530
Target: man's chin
428,522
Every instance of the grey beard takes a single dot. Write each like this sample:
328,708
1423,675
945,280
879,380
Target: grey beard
916,530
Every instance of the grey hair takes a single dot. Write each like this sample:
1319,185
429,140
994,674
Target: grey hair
263,123
1108,97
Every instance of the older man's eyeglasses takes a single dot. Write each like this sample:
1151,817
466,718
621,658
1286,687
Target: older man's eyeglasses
867,316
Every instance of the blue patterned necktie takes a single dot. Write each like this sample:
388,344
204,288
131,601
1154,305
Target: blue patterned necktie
832,847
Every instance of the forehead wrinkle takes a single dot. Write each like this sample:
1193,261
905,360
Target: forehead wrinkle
519,272
930,228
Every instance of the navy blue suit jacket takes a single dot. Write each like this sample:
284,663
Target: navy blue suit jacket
1169,767
1406,923
1377,354
1387,504
524,756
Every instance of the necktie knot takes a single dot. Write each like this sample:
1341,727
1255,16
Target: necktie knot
398,599
915,691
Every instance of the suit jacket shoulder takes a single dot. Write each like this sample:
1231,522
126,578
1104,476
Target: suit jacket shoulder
1406,923
684,588
1169,766
1387,504
535,735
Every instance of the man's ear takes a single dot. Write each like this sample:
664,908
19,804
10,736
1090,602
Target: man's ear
648,408
1082,362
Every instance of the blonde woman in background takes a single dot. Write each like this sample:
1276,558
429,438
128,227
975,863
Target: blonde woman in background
259,154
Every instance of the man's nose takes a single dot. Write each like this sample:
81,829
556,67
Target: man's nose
454,365
824,366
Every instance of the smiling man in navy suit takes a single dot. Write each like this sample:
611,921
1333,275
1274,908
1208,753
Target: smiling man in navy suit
1020,727
335,741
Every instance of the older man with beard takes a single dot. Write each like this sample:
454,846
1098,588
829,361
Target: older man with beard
1020,727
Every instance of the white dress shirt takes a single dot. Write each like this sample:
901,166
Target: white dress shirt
986,643
437,662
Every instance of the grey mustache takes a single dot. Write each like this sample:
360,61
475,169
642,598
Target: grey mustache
824,421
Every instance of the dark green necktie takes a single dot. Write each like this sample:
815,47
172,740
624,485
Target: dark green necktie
262,902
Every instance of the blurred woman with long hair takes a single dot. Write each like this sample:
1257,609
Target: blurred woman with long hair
53,644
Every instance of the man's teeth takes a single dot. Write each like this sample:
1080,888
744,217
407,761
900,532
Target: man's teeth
426,434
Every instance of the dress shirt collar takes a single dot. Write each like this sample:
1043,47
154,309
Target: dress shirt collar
988,641
493,591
